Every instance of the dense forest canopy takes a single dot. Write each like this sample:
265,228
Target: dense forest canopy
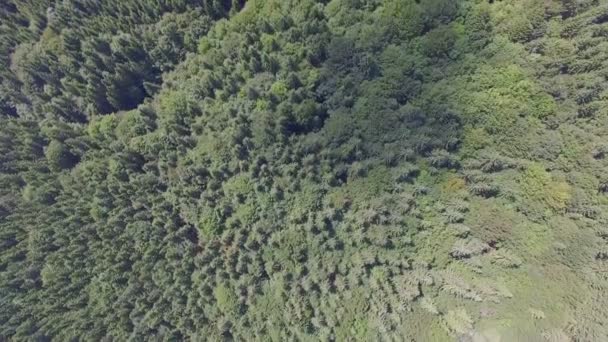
279,170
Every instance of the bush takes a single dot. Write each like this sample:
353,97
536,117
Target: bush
59,156
520,21
227,300
539,185
439,43
132,124
484,190
466,248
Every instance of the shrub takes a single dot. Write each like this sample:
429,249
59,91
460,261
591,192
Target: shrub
427,304
458,322
466,248
443,159
505,258
459,229
484,190
538,185
439,42
59,156
226,299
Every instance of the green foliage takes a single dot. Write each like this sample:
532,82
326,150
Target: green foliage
59,156
78,61
210,224
226,299
458,322
133,124
355,324
102,128
439,43
405,17
520,20
303,170
537,184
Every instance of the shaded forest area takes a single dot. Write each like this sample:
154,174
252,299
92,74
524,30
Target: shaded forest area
303,170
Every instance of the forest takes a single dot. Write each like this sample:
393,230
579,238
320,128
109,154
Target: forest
304,170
